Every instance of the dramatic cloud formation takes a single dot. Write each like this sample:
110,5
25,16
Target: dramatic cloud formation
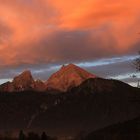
36,34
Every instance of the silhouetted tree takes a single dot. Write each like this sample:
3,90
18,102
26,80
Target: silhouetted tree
21,135
137,66
137,62
44,136
33,136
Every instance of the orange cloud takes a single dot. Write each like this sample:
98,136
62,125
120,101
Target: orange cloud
122,16
43,30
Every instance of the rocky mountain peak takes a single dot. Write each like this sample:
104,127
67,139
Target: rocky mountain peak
67,77
23,81
69,66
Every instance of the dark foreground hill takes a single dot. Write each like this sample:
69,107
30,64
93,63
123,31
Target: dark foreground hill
129,130
94,104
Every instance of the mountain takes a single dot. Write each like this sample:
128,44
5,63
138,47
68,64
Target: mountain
67,77
23,82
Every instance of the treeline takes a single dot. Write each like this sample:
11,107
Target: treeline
34,136
28,136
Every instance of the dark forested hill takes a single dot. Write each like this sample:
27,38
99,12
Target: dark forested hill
129,130
94,104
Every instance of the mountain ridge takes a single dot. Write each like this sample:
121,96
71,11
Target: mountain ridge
67,77
63,80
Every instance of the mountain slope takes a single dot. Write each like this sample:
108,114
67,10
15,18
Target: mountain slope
94,104
129,130
67,77
39,86
91,106
7,87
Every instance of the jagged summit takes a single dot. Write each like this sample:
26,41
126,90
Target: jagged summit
26,75
69,66
24,81
26,72
67,77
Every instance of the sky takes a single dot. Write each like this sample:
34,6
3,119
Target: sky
41,35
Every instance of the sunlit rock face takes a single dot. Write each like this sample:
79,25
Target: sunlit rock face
7,87
39,86
23,82
67,77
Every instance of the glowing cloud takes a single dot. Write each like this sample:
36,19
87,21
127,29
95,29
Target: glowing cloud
45,31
